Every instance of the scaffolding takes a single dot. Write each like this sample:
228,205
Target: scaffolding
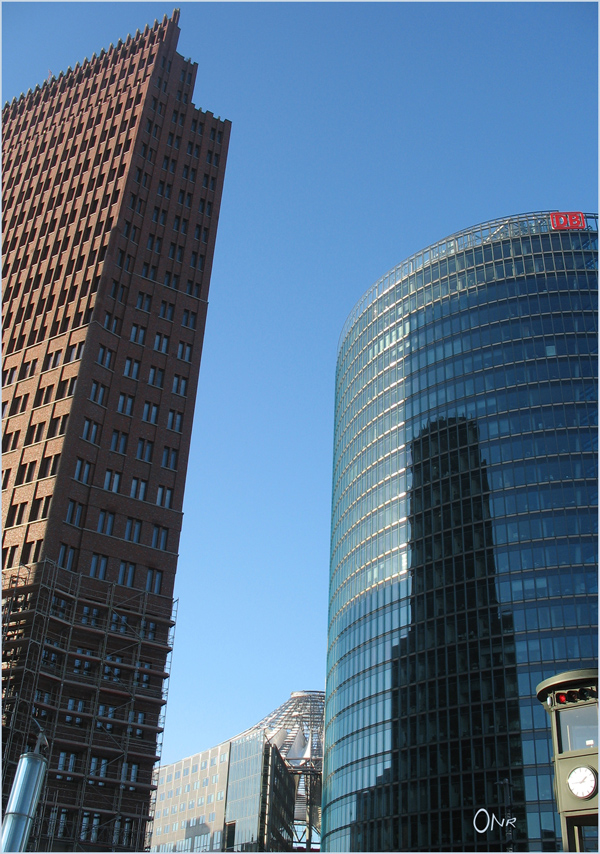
89,661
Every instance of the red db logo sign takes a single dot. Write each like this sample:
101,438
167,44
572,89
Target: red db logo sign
573,219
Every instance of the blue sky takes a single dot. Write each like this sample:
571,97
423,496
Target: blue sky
362,132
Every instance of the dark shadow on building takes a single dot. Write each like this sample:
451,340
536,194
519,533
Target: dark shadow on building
455,711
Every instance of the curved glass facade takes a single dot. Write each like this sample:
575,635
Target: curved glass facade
464,539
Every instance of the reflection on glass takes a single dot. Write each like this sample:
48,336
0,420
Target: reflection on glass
455,717
578,727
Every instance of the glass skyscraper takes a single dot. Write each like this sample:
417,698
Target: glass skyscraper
464,538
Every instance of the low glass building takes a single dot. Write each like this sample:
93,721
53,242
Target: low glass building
464,538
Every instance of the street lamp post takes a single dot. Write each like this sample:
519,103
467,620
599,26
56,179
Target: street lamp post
24,797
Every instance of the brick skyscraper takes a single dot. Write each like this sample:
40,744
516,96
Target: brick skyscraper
112,189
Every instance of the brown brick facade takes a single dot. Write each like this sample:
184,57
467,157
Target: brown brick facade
112,189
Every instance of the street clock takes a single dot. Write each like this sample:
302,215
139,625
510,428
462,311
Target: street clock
583,781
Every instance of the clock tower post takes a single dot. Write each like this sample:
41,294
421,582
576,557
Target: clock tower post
571,699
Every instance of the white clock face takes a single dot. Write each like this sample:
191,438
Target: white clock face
582,782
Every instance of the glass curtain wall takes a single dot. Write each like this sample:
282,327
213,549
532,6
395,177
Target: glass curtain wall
464,539
259,814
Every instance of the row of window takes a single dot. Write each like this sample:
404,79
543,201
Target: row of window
191,804
76,513
53,660
51,360
61,823
201,842
35,433
161,340
129,573
528,343
193,769
353,352
43,396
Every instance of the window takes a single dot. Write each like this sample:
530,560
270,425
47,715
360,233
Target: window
98,767
138,334
150,412
111,672
193,288
160,537
66,762
67,556
105,712
175,420
202,842
111,323
126,574
91,431
112,480
132,368
133,530
138,488
119,442
154,581
164,496
144,301
106,521
169,459
125,404
90,616
105,356
189,319
156,376
161,343
145,450
74,705
148,630
184,351
167,310
118,291
179,385
83,470
75,514
98,393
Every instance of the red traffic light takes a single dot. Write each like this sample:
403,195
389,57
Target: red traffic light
561,698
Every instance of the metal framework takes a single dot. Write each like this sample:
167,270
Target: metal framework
85,659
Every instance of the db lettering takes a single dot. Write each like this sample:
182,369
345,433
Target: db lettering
485,822
573,219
